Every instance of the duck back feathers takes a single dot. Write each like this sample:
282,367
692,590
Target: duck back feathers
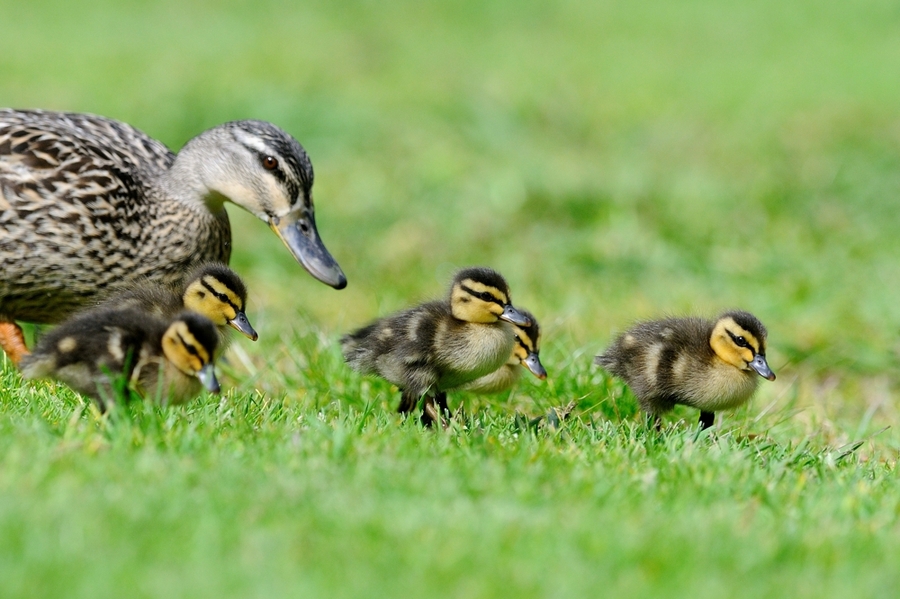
81,214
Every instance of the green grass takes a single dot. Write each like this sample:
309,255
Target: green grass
615,161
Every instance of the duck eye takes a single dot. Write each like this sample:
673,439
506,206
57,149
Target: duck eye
486,296
741,342
269,163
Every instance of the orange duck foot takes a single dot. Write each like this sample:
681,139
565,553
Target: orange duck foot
13,341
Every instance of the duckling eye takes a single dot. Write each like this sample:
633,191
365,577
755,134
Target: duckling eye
269,163
484,295
740,341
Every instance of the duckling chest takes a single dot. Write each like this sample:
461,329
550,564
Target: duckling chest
471,351
720,387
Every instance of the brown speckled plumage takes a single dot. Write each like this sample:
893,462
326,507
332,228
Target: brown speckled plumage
89,205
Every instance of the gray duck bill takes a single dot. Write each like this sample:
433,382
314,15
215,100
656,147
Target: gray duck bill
534,366
760,365
297,230
207,376
512,315
241,324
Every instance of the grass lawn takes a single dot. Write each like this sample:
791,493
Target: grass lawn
615,161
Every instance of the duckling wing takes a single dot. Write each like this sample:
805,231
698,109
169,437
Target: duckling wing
95,352
654,358
400,348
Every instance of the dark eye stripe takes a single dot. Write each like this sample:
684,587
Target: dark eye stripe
483,295
739,340
278,173
189,347
219,296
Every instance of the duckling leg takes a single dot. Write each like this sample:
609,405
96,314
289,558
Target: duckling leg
408,402
435,410
12,341
706,419
655,421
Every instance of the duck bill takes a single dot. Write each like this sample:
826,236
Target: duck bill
297,229
512,315
207,376
241,324
534,366
760,365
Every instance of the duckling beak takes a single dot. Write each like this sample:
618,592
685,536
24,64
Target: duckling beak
241,324
297,229
533,364
760,365
207,376
512,315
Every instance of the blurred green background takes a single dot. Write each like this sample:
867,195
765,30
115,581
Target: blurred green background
614,160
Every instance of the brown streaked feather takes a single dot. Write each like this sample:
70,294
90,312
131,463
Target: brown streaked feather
80,215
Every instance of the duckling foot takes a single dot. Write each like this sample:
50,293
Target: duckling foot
706,419
13,341
436,410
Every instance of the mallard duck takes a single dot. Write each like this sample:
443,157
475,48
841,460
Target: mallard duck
107,353
440,345
89,205
212,290
705,364
525,352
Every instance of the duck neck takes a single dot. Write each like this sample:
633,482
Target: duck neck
186,180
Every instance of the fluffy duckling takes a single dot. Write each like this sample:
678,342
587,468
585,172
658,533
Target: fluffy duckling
710,365
440,345
525,353
107,353
212,290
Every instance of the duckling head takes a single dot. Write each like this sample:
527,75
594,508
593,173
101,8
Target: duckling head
481,295
190,344
738,338
527,346
264,170
216,292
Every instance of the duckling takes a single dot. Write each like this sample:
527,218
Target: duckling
710,365
213,290
105,353
90,206
526,350
440,345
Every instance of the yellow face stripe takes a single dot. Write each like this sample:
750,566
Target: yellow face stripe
183,350
479,288
728,340
217,287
